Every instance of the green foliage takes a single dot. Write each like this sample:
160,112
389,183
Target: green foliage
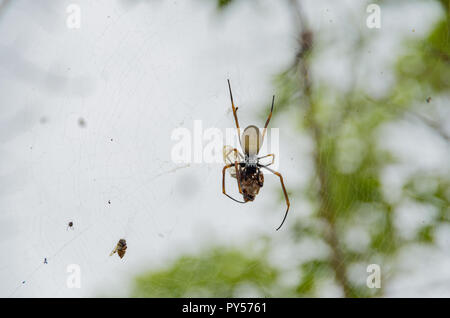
216,273
383,237
222,4
425,234
432,190
429,61
350,157
312,272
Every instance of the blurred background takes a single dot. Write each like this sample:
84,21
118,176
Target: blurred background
86,121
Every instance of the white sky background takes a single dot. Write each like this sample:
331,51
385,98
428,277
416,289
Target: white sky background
134,72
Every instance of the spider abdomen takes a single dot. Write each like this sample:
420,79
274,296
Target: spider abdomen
251,140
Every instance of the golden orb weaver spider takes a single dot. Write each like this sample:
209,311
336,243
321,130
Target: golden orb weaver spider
246,168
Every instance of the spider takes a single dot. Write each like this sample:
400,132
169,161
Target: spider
69,225
246,168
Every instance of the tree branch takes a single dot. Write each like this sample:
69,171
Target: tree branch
326,210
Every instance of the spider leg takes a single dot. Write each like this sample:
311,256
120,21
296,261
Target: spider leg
234,113
270,155
268,119
284,191
227,150
237,154
223,182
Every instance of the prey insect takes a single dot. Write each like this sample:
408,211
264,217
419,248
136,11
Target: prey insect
120,248
246,168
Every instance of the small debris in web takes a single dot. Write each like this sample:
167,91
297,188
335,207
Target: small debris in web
428,99
120,248
23,282
109,201
45,261
81,122
70,225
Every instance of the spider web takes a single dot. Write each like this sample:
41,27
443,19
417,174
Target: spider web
86,138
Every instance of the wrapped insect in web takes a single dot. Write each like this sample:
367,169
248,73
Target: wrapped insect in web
246,168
